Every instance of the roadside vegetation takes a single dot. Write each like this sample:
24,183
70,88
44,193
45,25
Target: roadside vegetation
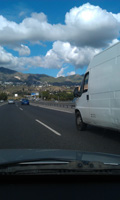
60,96
3,96
58,93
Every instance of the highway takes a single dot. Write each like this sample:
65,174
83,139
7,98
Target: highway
33,127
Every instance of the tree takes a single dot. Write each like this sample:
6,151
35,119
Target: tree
46,95
3,96
60,95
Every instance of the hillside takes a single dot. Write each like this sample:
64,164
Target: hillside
11,76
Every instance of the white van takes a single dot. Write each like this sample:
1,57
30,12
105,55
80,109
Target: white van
98,100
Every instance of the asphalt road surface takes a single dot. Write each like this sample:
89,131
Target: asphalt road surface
32,127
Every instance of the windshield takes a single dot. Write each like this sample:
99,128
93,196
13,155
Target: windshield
48,49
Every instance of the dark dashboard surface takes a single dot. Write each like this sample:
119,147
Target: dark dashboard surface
60,187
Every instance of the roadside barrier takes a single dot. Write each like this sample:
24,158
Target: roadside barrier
56,103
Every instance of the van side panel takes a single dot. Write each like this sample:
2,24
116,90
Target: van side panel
103,107
100,95
104,90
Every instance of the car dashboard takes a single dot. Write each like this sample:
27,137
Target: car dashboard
60,187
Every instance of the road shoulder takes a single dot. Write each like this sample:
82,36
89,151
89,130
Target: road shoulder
66,110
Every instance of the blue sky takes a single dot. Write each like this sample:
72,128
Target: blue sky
56,37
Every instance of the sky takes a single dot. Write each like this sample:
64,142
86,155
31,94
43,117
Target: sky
56,37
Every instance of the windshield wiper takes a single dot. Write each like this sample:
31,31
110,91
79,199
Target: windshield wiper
54,166
44,162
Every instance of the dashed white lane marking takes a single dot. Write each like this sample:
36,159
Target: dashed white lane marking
48,127
21,109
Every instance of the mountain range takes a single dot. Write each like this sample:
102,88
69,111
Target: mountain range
8,75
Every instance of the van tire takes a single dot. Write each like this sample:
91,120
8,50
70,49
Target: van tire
81,126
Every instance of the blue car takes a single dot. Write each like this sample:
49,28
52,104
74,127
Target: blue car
25,102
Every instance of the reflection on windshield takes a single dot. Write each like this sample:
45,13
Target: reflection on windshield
59,82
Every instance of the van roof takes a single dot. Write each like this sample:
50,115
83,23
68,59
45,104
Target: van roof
108,48
105,55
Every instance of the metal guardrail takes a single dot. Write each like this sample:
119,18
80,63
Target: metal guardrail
56,104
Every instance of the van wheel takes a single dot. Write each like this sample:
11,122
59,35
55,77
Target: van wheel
81,126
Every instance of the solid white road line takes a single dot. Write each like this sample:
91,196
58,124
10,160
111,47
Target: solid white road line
48,127
3,104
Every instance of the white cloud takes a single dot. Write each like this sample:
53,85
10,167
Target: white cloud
61,53
23,50
50,60
41,17
92,25
60,73
86,31
113,42
5,58
9,61
71,73
85,25
66,53
22,13
116,16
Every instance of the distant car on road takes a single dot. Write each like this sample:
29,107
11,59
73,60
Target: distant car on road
11,101
1,101
25,102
